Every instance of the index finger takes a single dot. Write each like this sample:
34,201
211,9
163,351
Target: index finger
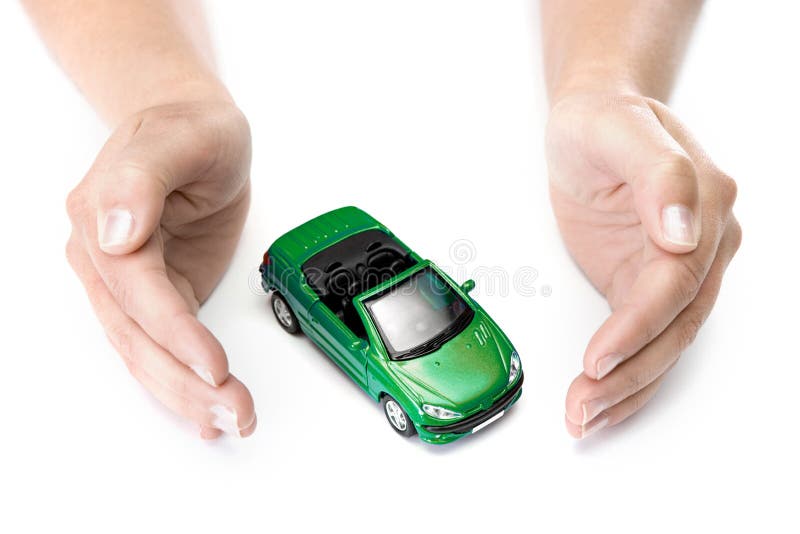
141,286
668,282
663,288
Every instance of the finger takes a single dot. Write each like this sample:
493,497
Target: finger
632,147
208,433
229,408
130,204
587,397
665,285
219,418
140,284
716,186
663,288
246,432
232,407
617,413
180,404
144,360
159,156
666,193
140,279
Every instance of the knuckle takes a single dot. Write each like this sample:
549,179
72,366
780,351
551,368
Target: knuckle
736,235
137,179
71,252
728,189
206,147
178,384
235,121
229,136
688,328
637,401
675,164
639,380
648,327
120,290
689,274
75,203
211,133
199,128
119,334
635,382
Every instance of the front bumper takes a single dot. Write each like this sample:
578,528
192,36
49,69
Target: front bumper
453,431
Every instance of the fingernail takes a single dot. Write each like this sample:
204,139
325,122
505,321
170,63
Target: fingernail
677,224
117,227
594,426
606,364
249,429
204,373
225,419
592,408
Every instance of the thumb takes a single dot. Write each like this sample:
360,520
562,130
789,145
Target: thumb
158,157
666,195
636,147
130,202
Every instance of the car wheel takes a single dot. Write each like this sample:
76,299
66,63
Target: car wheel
284,314
397,417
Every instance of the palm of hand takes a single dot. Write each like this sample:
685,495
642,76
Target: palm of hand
604,235
200,228
647,217
155,223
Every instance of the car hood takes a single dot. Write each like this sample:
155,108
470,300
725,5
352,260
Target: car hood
464,374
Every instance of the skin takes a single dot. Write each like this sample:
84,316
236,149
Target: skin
175,171
177,167
617,157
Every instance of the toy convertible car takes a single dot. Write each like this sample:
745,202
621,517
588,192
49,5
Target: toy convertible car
398,325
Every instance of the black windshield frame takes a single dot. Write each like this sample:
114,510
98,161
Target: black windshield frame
432,344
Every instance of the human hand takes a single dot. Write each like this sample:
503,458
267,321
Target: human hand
154,225
647,216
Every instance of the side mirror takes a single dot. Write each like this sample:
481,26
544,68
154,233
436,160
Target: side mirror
468,286
359,345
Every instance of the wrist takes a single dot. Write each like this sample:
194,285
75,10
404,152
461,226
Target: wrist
600,79
174,90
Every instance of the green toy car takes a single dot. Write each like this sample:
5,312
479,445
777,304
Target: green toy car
396,324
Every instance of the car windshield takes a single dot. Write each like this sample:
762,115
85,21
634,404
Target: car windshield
418,315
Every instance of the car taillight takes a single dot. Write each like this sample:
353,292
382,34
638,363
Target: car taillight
265,261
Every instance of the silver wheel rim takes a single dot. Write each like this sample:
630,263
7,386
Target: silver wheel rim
396,416
282,312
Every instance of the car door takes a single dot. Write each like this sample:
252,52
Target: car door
339,342
292,285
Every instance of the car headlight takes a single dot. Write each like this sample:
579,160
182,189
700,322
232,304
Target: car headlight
516,366
439,413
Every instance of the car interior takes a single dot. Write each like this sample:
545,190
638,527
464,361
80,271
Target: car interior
352,266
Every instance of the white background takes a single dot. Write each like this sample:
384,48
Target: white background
429,115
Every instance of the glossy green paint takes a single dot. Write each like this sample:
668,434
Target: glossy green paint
298,245
466,375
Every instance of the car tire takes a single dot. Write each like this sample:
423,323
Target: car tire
284,314
397,417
